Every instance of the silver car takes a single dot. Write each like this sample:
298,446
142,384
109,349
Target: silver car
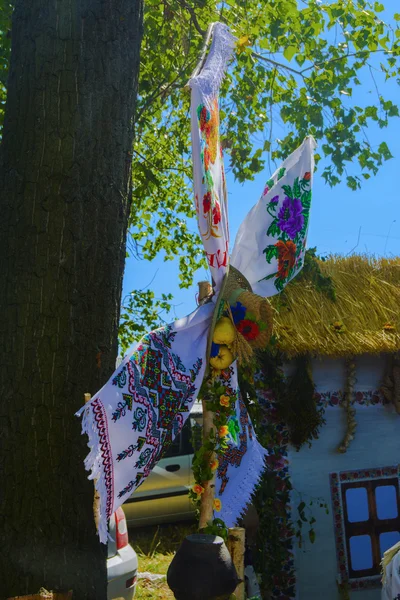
122,560
163,496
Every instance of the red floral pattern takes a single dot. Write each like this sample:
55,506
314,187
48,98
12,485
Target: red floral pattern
207,202
216,214
335,398
286,258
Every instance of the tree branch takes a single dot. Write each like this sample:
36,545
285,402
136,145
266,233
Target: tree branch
192,13
276,64
163,89
332,60
314,65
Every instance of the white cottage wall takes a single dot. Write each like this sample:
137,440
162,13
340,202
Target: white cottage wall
376,444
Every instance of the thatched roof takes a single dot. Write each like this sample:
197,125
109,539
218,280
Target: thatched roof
365,318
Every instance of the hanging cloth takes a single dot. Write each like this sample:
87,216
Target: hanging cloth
274,254
211,199
131,421
391,573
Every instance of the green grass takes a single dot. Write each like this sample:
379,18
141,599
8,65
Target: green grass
155,547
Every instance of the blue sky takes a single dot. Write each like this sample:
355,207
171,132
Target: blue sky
342,221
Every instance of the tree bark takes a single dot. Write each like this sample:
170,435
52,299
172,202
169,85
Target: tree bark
65,193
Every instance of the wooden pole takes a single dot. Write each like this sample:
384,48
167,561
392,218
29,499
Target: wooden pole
203,52
235,544
96,499
207,498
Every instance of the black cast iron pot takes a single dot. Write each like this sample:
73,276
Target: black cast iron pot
202,569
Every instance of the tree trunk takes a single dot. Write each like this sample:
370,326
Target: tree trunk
65,193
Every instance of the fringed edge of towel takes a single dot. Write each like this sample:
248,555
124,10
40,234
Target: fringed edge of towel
212,74
95,464
244,492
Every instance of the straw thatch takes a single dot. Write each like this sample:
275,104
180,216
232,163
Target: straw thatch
365,319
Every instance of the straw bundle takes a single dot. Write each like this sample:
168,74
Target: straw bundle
364,319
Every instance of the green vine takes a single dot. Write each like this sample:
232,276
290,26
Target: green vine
306,517
272,497
220,400
298,407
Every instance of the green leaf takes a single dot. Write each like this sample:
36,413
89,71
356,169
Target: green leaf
267,277
279,284
384,150
296,188
306,199
288,191
270,183
267,146
270,253
289,52
274,229
311,535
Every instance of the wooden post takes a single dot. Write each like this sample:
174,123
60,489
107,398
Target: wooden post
96,499
207,498
235,544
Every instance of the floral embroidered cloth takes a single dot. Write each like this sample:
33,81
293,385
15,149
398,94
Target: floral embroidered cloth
209,182
274,254
242,463
144,405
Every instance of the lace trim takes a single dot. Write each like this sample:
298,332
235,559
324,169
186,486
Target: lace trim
235,505
99,461
211,75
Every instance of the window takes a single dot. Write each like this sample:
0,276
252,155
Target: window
182,443
366,509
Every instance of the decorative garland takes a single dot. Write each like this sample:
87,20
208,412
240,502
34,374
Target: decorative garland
220,399
391,383
274,560
348,406
298,407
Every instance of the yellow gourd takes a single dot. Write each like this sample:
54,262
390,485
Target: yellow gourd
223,359
224,332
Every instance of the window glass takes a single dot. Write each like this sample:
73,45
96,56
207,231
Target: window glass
361,552
387,540
175,449
196,435
386,501
357,504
